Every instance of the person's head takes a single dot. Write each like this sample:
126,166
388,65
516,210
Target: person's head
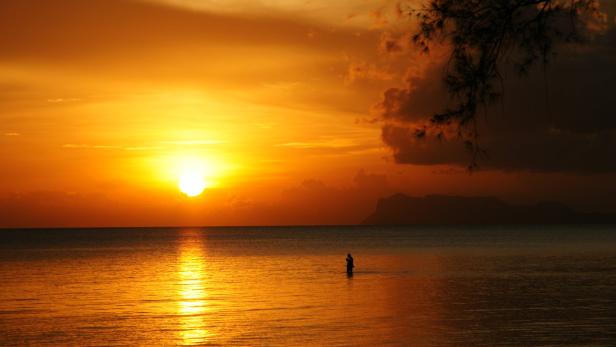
349,255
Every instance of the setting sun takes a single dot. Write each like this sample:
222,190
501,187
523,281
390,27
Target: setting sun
191,183
194,173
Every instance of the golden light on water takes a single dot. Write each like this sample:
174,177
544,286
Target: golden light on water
192,305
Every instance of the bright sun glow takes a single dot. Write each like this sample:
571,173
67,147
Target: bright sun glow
191,183
192,177
191,173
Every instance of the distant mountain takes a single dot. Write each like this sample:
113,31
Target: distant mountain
400,209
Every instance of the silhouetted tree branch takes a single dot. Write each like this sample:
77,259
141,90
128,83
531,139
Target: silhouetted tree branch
485,35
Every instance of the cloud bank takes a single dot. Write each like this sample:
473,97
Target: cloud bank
557,120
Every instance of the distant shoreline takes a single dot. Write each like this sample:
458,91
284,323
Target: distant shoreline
400,209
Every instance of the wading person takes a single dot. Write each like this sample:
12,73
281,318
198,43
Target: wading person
350,266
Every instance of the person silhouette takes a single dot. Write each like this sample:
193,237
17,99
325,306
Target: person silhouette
350,265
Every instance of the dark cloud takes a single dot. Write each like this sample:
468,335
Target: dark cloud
423,95
394,42
560,119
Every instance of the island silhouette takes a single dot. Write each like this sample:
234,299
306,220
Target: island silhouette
401,209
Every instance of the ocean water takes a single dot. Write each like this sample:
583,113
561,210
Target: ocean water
413,286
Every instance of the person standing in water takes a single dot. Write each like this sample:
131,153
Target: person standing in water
350,266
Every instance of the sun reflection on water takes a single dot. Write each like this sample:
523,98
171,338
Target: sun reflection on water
192,303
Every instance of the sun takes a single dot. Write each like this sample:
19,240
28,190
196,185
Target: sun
191,182
192,174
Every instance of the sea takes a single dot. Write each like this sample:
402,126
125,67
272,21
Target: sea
288,286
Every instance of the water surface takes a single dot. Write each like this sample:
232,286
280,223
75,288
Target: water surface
414,286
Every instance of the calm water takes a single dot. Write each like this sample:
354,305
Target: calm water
419,286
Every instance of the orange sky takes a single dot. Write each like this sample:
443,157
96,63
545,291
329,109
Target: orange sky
102,103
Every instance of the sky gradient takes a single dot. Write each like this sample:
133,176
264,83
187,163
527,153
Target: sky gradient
295,112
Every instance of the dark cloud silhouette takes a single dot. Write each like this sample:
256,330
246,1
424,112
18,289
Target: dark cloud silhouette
558,120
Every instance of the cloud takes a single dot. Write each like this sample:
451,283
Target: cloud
65,51
366,71
194,142
558,121
394,43
331,143
125,148
60,100
348,13
100,30
315,202
311,202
